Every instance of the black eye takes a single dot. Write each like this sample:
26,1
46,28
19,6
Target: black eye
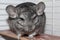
22,19
34,17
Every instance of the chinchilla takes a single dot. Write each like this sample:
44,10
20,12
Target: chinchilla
27,18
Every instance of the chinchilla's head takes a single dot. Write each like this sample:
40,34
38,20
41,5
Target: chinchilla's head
25,16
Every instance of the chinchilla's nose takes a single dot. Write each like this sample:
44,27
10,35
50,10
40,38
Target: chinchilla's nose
30,23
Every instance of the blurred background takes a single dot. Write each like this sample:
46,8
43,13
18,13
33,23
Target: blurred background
52,12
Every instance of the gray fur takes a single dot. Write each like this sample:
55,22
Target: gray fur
26,18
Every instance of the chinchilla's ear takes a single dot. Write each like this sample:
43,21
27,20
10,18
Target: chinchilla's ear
11,10
40,8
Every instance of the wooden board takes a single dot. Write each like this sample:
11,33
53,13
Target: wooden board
8,33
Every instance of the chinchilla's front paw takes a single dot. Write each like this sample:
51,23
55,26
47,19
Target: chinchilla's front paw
31,37
18,36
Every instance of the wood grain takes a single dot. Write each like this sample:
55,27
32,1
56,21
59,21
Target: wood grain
8,33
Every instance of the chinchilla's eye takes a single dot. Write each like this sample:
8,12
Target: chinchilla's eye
34,17
22,19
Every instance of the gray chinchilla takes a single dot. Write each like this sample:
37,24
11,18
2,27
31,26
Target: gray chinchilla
27,18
